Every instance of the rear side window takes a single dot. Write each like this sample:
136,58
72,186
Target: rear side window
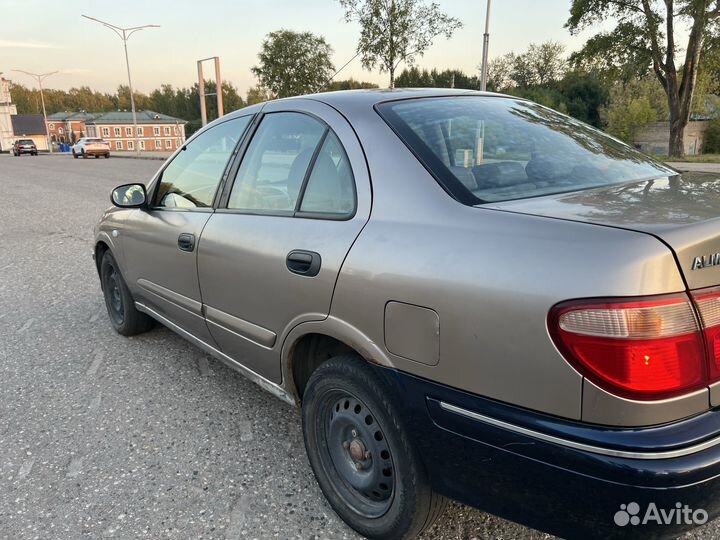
330,188
488,149
275,164
192,177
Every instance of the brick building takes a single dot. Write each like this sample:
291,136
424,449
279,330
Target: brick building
155,131
63,125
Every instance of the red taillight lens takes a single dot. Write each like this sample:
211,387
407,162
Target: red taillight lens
708,306
641,349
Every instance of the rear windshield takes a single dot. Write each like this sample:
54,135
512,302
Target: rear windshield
25,141
490,149
94,140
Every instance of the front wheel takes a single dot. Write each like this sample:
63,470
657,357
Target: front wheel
124,317
74,154
362,458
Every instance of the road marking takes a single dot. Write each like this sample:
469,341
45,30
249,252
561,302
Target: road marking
92,370
238,516
246,433
75,467
95,403
203,366
25,468
26,326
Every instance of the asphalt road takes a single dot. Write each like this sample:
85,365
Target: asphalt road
108,437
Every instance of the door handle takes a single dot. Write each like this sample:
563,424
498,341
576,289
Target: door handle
304,263
186,242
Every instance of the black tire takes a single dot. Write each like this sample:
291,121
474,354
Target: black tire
107,156
83,154
125,319
74,154
346,414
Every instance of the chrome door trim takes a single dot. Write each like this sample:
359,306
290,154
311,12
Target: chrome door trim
262,382
666,454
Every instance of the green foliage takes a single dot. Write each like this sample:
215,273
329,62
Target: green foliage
396,31
644,38
350,84
415,78
181,102
294,63
257,94
633,105
541,64
711,144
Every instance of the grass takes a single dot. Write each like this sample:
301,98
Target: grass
702,158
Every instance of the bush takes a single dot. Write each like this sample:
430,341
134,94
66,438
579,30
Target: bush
711,144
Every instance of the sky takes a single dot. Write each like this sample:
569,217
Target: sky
48,35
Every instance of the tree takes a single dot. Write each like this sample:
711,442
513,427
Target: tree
632,105
648,26
350,84
256,94
396,31
500,71
449,78
294,63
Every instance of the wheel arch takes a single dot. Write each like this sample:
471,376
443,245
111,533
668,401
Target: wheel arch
310,344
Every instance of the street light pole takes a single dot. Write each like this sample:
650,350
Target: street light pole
486,44
39,77
124,34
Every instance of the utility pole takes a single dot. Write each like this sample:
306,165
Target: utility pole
486,44
124,34
40,77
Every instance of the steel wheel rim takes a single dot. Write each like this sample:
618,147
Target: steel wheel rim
354,447
113,296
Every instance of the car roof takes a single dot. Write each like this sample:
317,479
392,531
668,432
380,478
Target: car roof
347,101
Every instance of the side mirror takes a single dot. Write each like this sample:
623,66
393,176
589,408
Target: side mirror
129,196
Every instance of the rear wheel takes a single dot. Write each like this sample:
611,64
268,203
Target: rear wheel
124,317
361,456
107,156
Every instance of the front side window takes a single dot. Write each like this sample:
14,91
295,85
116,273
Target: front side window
489,149
275,164
191,179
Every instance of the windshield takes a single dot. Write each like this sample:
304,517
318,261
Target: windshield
490,149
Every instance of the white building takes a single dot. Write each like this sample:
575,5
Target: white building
7,109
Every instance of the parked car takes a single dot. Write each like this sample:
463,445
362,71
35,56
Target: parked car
88,146
469,295
24,146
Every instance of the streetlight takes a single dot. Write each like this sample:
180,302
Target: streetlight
124,34
39,77
486,44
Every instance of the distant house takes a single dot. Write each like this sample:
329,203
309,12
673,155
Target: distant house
30,126
63,125
155,131
7,110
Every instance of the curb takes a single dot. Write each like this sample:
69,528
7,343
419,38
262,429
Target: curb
156,158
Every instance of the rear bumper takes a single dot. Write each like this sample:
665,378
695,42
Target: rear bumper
26,151
562,477
97,152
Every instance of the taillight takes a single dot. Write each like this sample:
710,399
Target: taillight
647,348
708,306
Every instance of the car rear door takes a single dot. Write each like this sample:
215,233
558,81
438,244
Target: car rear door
160,243
270,255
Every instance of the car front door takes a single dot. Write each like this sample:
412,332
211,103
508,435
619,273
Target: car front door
160,243
270,255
